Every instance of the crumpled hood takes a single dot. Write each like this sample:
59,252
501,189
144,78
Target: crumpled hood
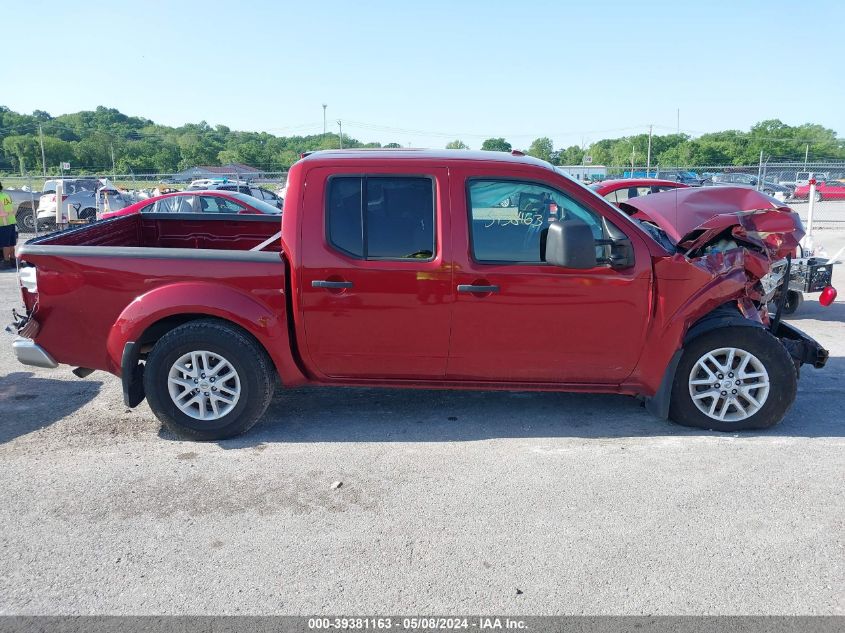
693,217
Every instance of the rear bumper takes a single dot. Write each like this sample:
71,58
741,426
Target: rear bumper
29,352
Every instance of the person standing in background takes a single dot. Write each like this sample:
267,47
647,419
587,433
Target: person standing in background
8,229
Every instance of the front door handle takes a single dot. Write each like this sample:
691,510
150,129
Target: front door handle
330,284
472,288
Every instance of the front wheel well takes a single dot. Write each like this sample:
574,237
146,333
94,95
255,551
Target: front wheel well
725,315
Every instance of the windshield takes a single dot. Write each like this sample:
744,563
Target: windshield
255,203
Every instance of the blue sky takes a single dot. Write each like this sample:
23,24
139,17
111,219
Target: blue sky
423,73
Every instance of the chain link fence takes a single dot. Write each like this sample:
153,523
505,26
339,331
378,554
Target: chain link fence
786,181
27,191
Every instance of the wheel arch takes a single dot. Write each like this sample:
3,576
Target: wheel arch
152,315
725,315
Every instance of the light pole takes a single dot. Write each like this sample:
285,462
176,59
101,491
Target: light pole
340,127
324,119
43,161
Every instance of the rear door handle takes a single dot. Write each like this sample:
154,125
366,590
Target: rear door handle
471,288
331,284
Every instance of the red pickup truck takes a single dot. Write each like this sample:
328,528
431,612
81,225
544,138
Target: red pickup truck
404,268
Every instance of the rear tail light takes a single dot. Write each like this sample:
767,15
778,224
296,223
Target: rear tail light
28,278
827,296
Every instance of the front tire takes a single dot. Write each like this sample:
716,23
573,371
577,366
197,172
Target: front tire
818,197
208,380
733,379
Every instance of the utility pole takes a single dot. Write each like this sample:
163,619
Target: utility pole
324,119
648,158
113,170
43,162
633,151
679,120
806,155
340,127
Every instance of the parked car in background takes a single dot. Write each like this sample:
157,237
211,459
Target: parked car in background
223,184
825,190
768,187
268,196
47,202
23,200
199,202
691,178
85,204
623,189
802,178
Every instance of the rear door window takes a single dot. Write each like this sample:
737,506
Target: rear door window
381,217
175,204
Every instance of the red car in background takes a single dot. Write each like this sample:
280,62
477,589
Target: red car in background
825,190
623,189
198,202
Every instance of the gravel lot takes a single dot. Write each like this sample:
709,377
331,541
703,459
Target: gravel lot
452,502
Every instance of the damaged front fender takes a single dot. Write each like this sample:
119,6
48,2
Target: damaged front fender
724,230
726,241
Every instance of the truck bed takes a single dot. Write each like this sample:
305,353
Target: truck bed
177,231
96,276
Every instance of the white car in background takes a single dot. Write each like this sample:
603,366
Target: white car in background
84,195
47,201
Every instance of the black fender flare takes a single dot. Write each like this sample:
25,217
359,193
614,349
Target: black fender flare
726,315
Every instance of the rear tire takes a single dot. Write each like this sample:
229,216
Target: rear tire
818,197
24,219
208,380
750,383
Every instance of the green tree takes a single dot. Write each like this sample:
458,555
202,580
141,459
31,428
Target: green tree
456,144
496,145
542,148
23,149
56,151
572,155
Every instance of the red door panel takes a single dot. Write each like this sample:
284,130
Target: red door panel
375,318
536,322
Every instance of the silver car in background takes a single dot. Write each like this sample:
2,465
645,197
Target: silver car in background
81,197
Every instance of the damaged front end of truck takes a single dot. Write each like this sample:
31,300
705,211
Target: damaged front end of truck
737,245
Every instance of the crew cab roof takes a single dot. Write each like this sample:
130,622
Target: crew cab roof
424,155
